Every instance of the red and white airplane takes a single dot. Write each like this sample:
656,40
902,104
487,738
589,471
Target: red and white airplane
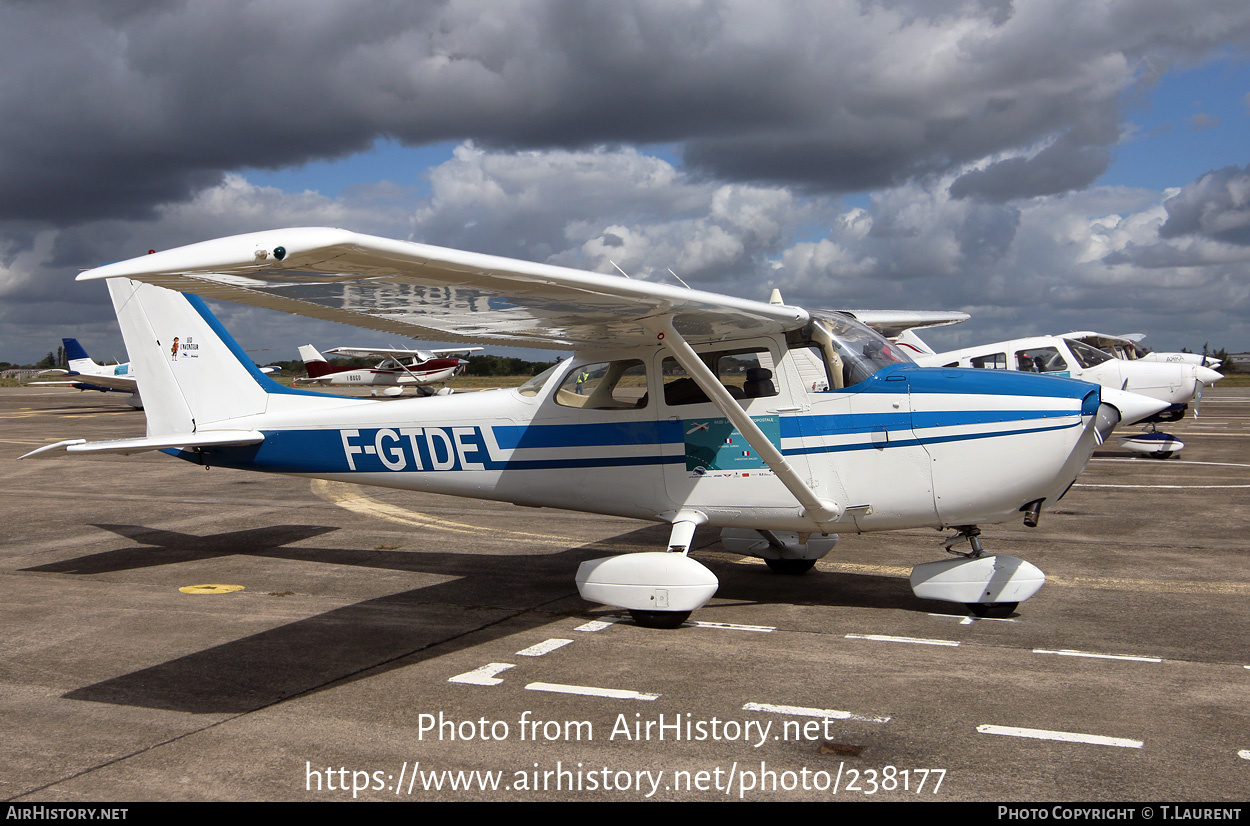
398,368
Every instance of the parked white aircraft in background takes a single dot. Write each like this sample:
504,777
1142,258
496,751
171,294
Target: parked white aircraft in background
677,406
398,368
106,378
1127,347
1174,384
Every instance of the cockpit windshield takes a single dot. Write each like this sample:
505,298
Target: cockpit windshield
1085,355
852,351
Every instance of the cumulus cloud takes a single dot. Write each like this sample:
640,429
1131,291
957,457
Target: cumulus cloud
978,128
127,106
1046,264
1216,206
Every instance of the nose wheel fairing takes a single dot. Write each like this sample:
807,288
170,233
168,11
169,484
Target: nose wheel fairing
986,581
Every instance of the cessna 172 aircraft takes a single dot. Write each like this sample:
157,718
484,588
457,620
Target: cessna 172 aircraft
678,406
1174,384
106,378
424,367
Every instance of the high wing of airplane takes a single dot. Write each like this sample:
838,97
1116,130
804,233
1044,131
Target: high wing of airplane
85,374
1129,348
678,406
418,368
1176,385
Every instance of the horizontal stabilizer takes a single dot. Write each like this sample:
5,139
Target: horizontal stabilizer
215,438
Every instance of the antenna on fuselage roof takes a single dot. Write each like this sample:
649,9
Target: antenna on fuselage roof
775,297
618,269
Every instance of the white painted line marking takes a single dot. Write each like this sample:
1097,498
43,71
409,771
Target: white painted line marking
1070,653
963,620
1178,462
594,625
914,640
1165,487
591,691
824,713
482,676
1244,754
1062,736
542,648
729,626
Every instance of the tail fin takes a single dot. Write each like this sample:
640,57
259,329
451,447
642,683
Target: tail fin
912,343
191,372
314,362
77,357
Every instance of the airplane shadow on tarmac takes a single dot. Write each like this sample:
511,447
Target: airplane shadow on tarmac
396,630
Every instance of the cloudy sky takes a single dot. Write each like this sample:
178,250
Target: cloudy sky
1044,165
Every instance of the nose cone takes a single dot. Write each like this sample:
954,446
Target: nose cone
1133,407
1206,375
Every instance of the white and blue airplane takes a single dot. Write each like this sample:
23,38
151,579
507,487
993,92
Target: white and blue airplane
85,374
1129,348
1174,384
678,406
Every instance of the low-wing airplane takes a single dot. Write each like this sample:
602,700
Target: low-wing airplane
1127,347
678,406
398,368
1174,384
106,378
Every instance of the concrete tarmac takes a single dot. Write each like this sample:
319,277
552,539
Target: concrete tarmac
387,645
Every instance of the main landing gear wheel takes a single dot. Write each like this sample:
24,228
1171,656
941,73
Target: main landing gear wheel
660,619
992,610
793,567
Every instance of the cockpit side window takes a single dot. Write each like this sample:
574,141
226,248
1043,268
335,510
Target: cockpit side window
1087,356
745,373
1040,360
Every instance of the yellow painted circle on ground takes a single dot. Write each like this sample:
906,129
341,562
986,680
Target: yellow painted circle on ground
210,589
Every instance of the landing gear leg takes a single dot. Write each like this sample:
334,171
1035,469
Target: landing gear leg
971,533
985,610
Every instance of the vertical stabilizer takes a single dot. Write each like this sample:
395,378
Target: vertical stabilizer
314,362
77,358
912,343
190,371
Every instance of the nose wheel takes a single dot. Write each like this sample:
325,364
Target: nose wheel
991,586
792,567
991,610
660,619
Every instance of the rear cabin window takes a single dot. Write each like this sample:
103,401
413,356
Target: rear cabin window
613,385
994,361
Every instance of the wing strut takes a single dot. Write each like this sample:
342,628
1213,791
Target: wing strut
821,511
